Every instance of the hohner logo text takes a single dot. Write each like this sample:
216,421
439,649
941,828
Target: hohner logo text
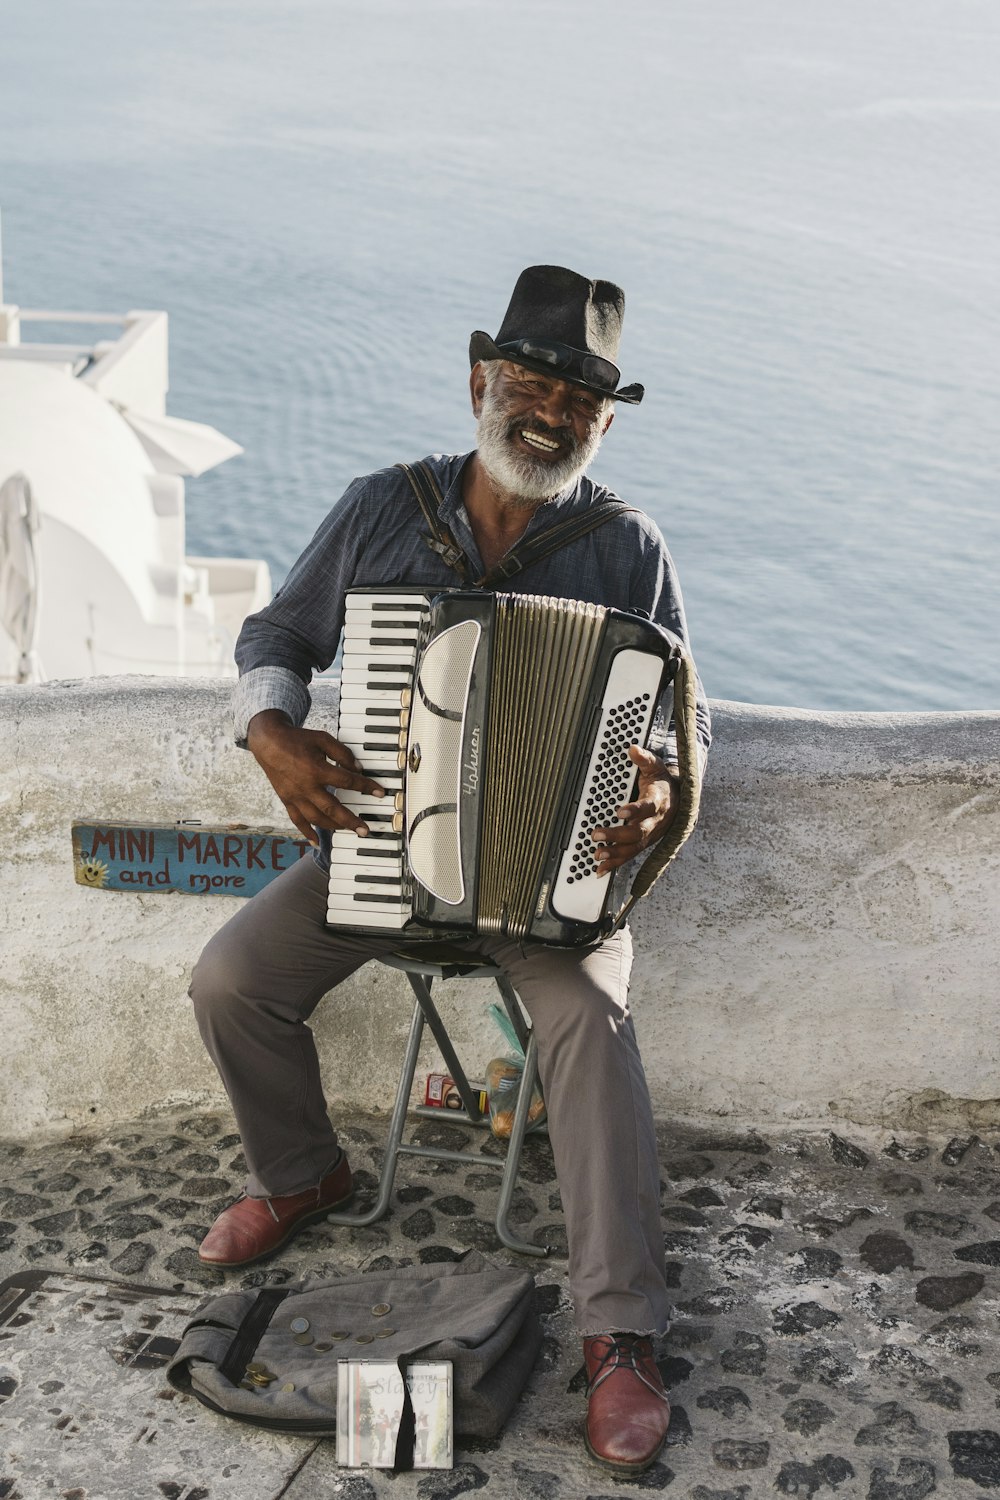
470,784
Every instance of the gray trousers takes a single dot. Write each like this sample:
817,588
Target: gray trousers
262,976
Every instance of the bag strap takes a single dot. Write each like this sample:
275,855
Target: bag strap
248,1335
441,541
406,1434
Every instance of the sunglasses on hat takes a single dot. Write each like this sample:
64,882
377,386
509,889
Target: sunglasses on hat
574,364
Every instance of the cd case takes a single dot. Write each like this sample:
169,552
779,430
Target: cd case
370,1405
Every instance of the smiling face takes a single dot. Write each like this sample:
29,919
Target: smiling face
536,434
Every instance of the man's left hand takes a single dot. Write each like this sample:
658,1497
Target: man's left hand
643,821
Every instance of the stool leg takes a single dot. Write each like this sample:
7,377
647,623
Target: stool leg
509,1180
422,990
396,1124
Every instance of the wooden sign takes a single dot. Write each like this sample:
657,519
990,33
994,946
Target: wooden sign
199,859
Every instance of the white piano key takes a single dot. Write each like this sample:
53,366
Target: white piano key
399,646
361,685
367,901
346,867
376,762
366,801
392,645
387,801
361,885
382,717
372,599
371,627
351,734
353,704
392,919
360,680
377,765
375,839
366,599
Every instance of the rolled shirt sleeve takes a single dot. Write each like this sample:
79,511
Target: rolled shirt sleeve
268,687
298,633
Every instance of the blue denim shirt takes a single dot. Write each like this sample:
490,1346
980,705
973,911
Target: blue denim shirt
375,534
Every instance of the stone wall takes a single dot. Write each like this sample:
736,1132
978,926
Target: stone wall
825,950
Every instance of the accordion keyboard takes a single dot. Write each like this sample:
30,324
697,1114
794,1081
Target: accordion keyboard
380,645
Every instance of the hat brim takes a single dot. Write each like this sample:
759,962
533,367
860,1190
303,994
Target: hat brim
482,347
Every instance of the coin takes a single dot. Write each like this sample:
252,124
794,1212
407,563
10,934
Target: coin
381,1308
299,1325
385,1333
303,1338
340,1335
365,1338
288,1386
322,1348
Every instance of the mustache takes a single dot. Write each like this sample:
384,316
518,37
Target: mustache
564,435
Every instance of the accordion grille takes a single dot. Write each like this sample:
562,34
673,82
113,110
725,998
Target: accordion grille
544,656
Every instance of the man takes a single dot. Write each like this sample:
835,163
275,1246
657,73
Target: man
543,394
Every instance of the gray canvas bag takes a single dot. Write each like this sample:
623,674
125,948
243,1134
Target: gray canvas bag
479,1316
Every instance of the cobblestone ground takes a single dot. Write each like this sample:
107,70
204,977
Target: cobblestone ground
836,1327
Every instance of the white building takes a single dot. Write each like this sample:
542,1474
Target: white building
94,579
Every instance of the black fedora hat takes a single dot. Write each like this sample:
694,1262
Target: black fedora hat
561,324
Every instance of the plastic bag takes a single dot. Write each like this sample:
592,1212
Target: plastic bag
504,1076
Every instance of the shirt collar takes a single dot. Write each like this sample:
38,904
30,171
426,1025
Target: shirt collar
453,507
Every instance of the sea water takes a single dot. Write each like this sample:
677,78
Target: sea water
800,200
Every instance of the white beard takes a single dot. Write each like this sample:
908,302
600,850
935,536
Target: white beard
524,480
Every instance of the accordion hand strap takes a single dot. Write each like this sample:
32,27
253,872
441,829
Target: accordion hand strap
689,797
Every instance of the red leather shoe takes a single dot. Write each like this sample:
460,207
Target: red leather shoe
628,1412
253,1228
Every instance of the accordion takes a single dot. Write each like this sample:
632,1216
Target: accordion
499,725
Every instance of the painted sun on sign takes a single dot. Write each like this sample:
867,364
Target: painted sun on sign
91,871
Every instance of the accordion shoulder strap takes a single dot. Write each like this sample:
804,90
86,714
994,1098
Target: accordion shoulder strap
689,797
429,498
440,540
549,541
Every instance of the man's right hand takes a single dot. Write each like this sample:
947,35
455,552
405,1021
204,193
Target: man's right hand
304,766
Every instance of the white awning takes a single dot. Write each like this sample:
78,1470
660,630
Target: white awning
177,446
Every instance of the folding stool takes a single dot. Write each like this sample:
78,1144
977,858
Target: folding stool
421,974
